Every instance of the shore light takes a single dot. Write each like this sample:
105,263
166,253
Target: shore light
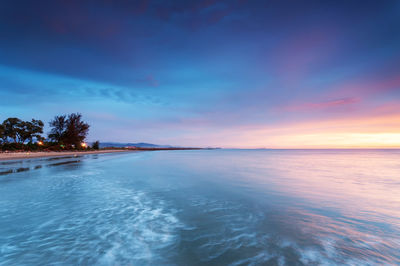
84,145
40,143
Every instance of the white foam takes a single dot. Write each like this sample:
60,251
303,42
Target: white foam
126,226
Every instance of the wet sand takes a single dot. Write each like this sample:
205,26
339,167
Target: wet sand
27,155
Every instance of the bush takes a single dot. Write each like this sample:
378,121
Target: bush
12,147
31,147
96,145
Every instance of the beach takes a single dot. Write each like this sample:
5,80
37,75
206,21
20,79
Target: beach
28,155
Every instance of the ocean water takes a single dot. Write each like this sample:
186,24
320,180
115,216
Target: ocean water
205,207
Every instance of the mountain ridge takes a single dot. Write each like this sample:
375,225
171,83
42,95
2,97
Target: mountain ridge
130,144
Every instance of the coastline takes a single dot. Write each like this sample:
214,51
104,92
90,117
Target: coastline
5,156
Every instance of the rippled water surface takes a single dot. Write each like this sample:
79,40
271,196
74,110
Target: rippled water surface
210,207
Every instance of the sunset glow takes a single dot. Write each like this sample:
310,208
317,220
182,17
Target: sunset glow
242,74
200,132
367,132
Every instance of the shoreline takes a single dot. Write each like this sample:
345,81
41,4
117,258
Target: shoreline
6,156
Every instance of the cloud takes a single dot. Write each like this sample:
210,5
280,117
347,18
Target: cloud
149,80
19,85
318,106
199,67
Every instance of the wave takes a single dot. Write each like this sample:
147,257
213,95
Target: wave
119,226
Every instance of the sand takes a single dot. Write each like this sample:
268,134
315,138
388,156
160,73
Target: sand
27,155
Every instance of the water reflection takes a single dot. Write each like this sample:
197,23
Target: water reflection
63,163
18,166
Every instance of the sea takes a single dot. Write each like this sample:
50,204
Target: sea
203,207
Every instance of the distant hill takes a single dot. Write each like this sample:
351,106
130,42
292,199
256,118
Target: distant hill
140,145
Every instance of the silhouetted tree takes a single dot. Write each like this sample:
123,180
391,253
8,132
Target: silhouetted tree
77,130
69,130
21,131
2,136
96,145
58,127
32,129
13,128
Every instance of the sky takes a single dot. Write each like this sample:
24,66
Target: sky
244,74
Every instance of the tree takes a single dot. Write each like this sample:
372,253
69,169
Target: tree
58,127
2,136
77,130
13,128
36,129
32,129
96,145
69,130
21,131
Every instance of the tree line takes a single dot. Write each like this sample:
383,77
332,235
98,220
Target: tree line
66,132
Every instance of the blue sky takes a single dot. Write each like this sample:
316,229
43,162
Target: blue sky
207,73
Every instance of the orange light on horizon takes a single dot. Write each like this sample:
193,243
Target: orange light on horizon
84,145
369,131
40,143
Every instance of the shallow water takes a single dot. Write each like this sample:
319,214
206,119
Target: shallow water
210,207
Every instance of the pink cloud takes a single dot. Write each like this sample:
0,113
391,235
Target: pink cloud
367,87
152,81
296,56
335,103
149,80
